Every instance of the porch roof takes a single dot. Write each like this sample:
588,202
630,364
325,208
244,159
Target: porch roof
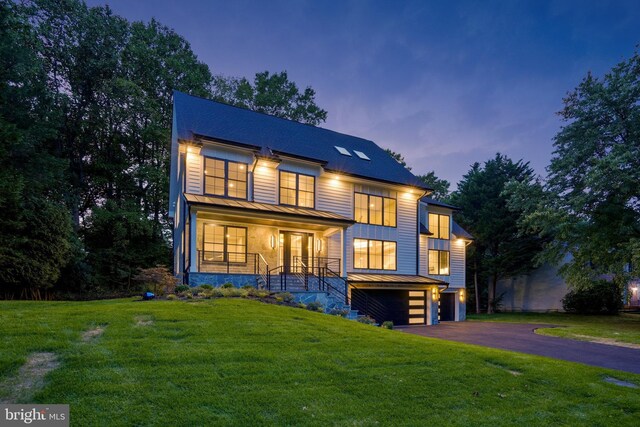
393,279
266,210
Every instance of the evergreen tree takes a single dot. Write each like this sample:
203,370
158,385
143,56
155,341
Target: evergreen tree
500,248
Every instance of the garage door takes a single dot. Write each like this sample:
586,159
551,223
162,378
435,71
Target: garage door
447,307
399,306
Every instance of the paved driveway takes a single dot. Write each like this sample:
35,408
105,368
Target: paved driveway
521,337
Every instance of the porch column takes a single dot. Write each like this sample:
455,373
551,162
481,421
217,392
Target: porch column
193,242
343,251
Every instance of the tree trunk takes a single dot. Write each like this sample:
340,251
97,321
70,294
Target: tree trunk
492,294
475,285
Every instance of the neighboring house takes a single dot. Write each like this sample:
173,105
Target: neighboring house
539,291
263,201
543,289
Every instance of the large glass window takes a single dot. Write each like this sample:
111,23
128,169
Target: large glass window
376,210
438,263
439,226
222,243
225,178
374,254
297,189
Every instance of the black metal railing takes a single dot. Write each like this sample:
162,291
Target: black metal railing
368,305
232,263
313,264
301,276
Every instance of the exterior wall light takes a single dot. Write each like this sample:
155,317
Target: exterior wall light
462,295
272,241
319,245
434,294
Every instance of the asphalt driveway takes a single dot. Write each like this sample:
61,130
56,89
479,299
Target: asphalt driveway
521,337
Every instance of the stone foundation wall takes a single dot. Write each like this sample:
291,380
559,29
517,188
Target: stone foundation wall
238,280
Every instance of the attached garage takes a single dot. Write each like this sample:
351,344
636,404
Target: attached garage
401,299
402,307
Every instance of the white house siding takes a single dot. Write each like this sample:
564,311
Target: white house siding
300,167
334,195
457,250
194,175
195,164
333,246
407,234
404,234
265,189
424,257
457,264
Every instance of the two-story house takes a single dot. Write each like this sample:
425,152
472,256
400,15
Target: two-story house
269,202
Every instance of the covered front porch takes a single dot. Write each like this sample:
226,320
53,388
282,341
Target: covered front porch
248,243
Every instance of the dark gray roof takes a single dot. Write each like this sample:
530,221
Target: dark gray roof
288,211
202,117
460,232
395,279
425,230
430,201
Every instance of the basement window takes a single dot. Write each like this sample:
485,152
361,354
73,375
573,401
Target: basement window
342,151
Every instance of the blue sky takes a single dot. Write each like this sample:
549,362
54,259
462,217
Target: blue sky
445,83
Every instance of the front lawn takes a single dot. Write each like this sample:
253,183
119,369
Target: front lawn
622,329
241,362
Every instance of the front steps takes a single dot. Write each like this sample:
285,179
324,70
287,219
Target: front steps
306,293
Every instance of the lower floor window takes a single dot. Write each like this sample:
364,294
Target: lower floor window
374,254
438,262
222,243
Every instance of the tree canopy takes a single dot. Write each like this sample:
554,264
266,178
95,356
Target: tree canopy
591,200
85,123
440,186
500,249
272,94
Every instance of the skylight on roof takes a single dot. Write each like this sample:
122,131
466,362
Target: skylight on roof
342,151
361,155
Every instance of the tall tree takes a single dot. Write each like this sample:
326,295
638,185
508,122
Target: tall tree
35,231
591,202
440,186
85,123
272,94
500,249
398,157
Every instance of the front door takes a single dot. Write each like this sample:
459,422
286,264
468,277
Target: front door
447,307
295,250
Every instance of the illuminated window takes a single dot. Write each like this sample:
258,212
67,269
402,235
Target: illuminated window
374,254
376,210
439,226
225,178
224,244
438,262
297,189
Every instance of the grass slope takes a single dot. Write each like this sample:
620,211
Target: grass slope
241,362
624,328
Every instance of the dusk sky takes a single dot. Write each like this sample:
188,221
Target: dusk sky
445,83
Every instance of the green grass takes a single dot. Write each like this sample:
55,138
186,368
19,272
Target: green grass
624,328
241,362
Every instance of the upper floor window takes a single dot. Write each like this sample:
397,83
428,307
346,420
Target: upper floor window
225,178
222,243
297,189
376,210
374,254
438,262
439,226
